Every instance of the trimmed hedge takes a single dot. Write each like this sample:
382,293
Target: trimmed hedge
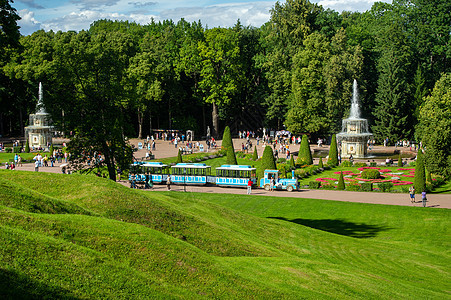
314,185
341,182
305,155
370,174
366,187
385,186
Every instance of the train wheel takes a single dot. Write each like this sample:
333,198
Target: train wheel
290,188
267,187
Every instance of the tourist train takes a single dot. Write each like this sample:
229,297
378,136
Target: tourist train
148,173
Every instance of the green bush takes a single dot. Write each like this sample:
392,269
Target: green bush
370,174
300,173
314,185
373,164
282,160
16,149
366,187
399,161
305,155
360,165
283,168
328,186
385,186
354,187
8,150
341,182
333,152
346,164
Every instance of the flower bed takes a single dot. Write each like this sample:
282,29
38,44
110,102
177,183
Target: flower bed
353,180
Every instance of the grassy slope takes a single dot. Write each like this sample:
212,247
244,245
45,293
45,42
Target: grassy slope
82,237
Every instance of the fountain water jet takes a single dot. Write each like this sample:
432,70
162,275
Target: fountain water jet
354,132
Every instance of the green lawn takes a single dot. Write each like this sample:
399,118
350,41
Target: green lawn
6,157
75,236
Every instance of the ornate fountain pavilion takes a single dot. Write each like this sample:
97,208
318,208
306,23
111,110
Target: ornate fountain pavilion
39,132
354,133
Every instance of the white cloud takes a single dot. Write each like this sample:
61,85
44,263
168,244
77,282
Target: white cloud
27,22
225,15
349,5
82,20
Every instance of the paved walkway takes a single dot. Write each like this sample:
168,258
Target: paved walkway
164,149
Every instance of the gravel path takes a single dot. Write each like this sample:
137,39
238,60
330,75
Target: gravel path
165,149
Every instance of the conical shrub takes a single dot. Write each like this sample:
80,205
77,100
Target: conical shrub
51,149
292,164
320,164
419,181
268,162
179,157
399,161
341,182
333,152
255,154
27,147
305,155
227,144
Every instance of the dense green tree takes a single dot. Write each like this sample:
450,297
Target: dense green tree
333,152
95,109
434,129
419,180
146,72
291,22
27,147
221,72
391,112
305,154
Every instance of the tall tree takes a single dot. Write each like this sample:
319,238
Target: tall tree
391,112
434,129
147,71
221,72
95,65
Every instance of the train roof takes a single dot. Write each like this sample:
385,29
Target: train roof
149,164
236,167
191,166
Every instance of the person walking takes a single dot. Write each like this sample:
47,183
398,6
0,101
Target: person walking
412,194
423,198
168,182
271,184
249,186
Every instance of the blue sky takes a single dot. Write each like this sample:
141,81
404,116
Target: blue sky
79,14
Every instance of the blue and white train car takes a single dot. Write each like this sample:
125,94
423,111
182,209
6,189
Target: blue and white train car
190,173
154,172
235,175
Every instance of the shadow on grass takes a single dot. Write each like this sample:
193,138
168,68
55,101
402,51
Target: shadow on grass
338,226
14,285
